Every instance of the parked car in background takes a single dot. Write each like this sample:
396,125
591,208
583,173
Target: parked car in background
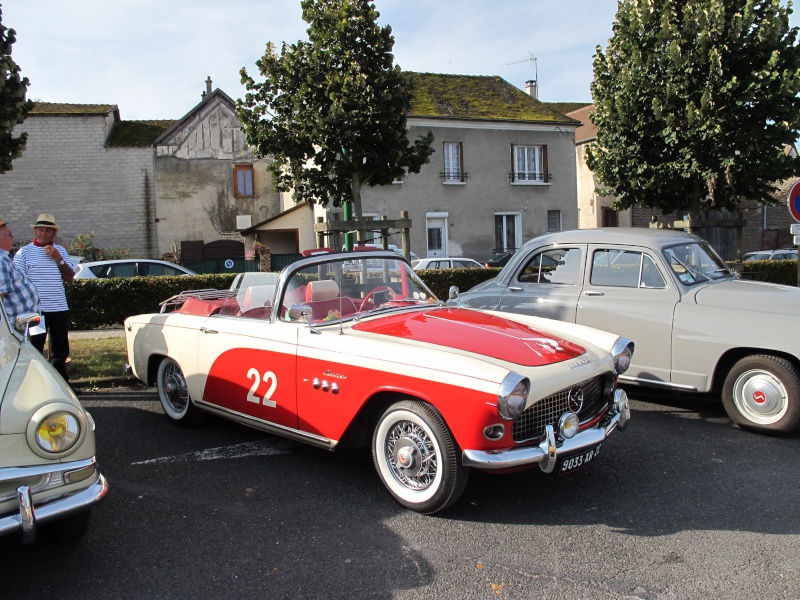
445,263
48,470
696,326
352,349
498,260
787,254
129,267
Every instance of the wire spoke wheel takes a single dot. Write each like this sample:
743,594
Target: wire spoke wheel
416,457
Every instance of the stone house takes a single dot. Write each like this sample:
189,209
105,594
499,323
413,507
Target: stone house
760,226
502,171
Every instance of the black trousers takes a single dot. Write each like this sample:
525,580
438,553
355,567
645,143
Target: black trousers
57,324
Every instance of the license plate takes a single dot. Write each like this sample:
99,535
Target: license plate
576,461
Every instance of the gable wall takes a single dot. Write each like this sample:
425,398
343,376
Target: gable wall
487,158
66,170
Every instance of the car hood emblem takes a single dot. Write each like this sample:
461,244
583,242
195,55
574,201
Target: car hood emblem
575,399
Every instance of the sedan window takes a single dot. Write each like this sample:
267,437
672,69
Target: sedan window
558,265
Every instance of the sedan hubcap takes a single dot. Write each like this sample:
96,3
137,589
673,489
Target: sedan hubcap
760,397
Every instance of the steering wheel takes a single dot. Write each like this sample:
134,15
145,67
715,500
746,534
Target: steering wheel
368,298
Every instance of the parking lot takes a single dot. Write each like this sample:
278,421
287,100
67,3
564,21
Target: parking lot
681,505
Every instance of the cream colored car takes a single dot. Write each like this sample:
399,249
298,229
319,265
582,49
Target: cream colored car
48,469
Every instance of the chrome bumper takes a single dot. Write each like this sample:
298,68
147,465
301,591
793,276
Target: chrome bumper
29,516
546,454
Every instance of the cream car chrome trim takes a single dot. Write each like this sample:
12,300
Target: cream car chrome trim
653,382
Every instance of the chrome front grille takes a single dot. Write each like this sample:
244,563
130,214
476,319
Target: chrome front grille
530,425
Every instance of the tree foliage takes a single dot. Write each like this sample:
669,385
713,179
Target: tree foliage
331,112
695,102
13,105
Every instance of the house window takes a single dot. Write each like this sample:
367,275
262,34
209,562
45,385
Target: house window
530,164
507,234
453,163
553,220
243,181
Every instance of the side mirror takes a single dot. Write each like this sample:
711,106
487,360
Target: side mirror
452,293
300,312
23,322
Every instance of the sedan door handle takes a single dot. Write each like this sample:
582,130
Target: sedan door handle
514,289
590,293
206,330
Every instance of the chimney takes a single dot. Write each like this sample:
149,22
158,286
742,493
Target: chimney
532,88
208,88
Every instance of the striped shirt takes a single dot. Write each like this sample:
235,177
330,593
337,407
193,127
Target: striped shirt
44,273
19,293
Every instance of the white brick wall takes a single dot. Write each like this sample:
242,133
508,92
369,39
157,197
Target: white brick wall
68,171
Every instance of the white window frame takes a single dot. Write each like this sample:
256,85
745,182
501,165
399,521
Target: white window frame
453,163
529,165
505,246
560,216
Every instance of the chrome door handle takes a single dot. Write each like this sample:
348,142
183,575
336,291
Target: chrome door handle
206,330
590,293
514,289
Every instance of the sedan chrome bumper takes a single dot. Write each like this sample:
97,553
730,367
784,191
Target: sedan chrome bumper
547,453
28,516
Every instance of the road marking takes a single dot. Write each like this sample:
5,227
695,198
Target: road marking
259,448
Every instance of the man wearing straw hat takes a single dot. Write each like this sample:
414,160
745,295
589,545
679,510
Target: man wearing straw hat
48,266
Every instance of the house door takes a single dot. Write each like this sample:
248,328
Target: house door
437,236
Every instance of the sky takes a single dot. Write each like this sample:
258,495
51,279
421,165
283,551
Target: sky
151,57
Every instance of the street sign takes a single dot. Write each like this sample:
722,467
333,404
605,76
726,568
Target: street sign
794,228
793,201
229,264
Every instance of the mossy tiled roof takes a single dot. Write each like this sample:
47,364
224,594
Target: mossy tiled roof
138,133
567,107
482,97
58,108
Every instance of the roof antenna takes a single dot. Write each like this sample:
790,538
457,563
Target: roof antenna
532,85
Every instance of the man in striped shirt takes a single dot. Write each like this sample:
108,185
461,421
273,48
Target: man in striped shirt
16,290
48,266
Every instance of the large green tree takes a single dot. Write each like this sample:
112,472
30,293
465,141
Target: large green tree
13,105
695,102
331,112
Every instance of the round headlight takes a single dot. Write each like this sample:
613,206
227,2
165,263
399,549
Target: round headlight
622,353
568,425
513,396
58,432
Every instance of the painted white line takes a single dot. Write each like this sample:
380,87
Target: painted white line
259,448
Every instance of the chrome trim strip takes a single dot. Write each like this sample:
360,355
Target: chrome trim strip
655,383
261,424
12,473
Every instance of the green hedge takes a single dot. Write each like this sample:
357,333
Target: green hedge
774,271
98,303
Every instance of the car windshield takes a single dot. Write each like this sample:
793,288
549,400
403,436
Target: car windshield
696,262
350,286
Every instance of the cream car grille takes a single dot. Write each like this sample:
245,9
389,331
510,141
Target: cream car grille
530,424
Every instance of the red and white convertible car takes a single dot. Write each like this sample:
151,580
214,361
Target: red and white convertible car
353,349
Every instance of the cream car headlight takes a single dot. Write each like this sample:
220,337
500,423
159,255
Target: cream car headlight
513,396
56,430
622,353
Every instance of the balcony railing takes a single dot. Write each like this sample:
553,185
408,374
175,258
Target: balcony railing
530,177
